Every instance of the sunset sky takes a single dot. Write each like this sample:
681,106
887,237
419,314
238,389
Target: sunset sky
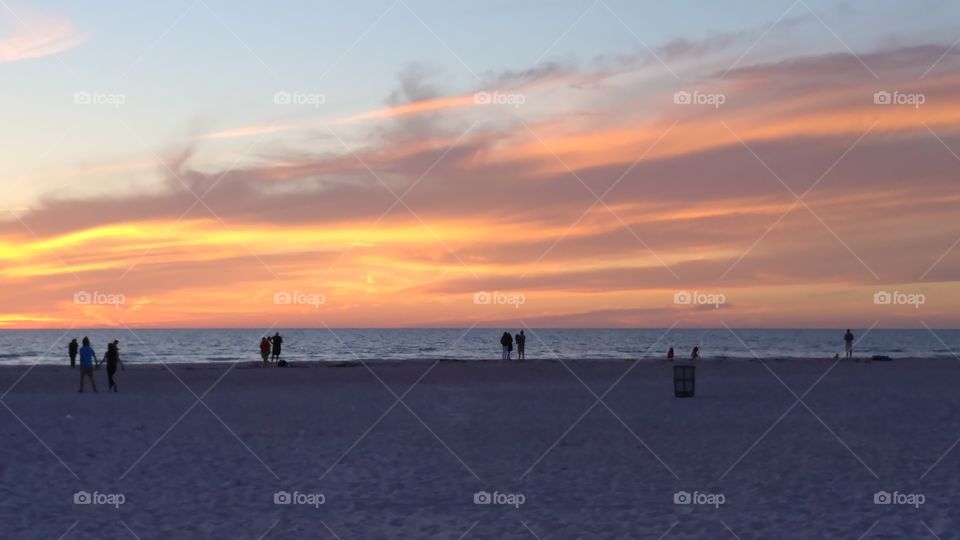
217,163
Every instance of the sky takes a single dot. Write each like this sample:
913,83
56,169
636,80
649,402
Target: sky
428,163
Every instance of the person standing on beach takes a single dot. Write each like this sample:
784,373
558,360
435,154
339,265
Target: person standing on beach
277,342
506,342
521,344
265,350
848,343
87,357
112,358
670,354
695,353
72,349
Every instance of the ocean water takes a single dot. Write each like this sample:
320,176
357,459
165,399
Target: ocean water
228,345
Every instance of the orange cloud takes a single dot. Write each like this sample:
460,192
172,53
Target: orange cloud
496,210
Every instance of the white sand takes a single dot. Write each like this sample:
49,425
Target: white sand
404,479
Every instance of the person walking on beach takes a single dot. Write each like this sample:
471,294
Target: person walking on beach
112,358
521,344
506,342
277,343
670,354
265,350
72,349
695,353
848,343
87,357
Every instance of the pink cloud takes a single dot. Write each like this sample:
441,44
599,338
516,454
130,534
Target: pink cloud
33,34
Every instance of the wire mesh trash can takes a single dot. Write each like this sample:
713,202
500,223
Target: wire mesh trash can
684,379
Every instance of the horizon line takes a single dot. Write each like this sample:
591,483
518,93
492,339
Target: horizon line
477,327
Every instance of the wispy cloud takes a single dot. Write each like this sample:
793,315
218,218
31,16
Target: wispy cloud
33,34
498,198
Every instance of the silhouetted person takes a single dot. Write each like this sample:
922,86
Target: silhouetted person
848,343
695,353
265,350
277,343
506,342
521,344
112,358
72,349
670,354
87,357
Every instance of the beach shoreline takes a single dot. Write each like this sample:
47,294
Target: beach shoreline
251,362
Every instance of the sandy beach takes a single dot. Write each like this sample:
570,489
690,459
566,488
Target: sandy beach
203,451
399,200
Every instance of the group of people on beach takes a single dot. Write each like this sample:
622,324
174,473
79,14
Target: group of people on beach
506,345
694,353
847,346
89,361
270,348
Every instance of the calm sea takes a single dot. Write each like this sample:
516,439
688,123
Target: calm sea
205,345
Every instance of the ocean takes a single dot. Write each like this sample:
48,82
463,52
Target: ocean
228,345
